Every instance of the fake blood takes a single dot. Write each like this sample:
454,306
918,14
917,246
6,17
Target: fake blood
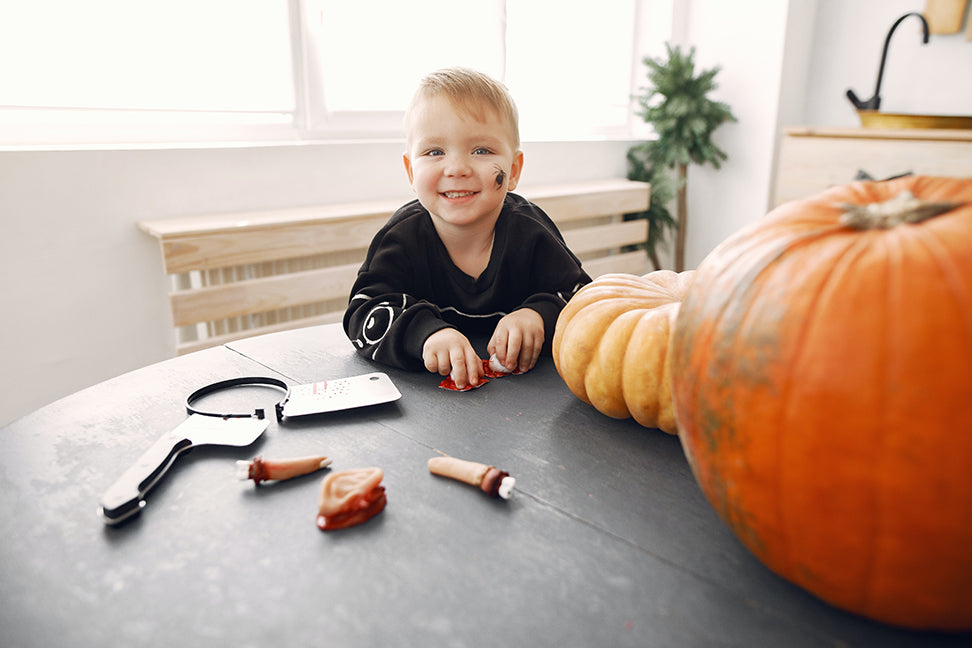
450,384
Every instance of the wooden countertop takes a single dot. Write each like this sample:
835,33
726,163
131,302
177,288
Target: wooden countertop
930,134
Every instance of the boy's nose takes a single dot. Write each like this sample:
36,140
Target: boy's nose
457,166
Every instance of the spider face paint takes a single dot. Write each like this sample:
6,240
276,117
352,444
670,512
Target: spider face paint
500,176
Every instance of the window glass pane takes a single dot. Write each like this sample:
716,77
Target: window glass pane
373,54
569,66
140,54
164,70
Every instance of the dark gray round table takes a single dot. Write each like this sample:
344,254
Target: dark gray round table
607,540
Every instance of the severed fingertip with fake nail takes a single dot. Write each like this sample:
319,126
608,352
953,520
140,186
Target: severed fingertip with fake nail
260,470
489,479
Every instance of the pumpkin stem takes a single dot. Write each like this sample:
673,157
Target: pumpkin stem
902,209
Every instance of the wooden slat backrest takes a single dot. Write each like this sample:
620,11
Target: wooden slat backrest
265,252
271,242
566,203
608,236
261,294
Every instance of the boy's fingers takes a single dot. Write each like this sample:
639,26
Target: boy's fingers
530,353
514,347
497,344
529,360
458,368
467,367
474,367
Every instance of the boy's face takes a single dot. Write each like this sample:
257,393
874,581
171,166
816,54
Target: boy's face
460,168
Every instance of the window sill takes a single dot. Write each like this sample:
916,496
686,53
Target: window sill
216,144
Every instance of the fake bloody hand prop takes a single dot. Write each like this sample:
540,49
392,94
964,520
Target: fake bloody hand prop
491,480
350,497
274,470
491,368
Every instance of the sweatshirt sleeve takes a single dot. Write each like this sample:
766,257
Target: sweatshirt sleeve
384,322
556,273
549,304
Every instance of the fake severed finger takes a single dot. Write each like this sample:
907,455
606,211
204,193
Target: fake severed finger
490,479
260,469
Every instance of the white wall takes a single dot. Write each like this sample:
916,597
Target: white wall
747,41
924,79
81,289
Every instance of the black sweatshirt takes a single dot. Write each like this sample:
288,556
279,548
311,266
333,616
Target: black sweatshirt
408,287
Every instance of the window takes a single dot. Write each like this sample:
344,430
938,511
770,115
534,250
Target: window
365,59
570,70
116,68
114,71
376,68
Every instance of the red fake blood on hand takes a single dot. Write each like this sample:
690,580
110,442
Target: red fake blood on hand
489,372
450,384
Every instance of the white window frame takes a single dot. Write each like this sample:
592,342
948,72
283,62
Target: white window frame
39,127
313,119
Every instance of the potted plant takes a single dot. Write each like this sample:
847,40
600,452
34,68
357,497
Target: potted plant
683,117
643,166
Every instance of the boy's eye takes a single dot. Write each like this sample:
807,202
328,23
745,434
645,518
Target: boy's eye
482,150
433,152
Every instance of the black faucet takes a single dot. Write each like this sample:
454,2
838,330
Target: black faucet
874,103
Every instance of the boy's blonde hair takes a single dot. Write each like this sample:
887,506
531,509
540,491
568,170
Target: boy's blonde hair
471,92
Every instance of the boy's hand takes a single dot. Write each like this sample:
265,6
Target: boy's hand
518,339
447,351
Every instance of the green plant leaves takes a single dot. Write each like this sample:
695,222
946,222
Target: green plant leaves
676,106
683,118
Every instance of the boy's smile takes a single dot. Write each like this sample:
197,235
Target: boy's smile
461,165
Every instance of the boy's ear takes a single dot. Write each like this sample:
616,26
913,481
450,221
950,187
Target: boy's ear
515,170
408,167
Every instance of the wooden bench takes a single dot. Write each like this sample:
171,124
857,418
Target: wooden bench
234,275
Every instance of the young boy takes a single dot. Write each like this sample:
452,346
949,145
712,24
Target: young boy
467,257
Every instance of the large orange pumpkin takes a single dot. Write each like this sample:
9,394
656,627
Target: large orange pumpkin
823,389
611,345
